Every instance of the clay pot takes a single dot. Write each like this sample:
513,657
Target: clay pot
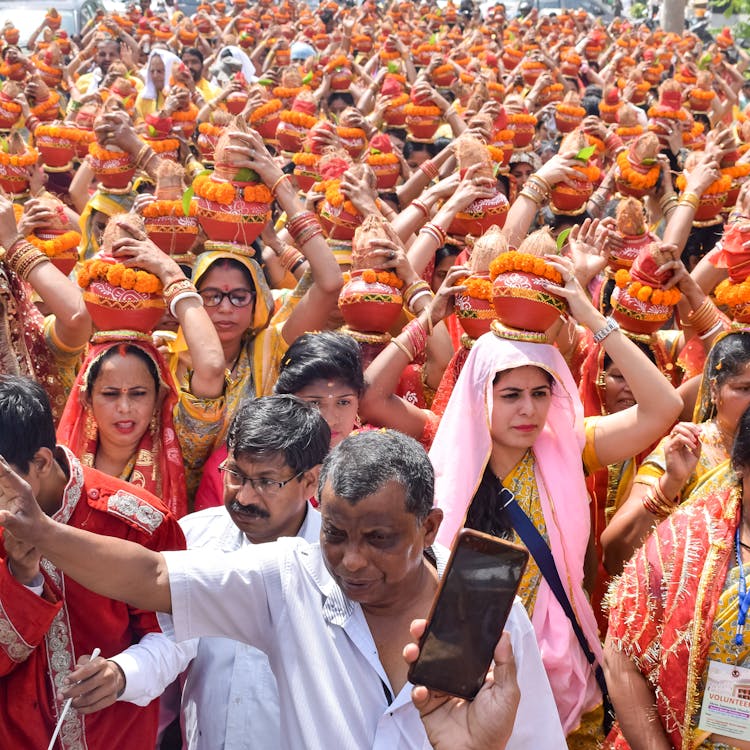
422,128
710,206
636,316
206,145
291,137
113,308
239,222
523,133
236,102
305,177
370,307
475,315
114,173
477,218
14,180
386,175
56,152
173,235
522,302
267,126
698,104
337,222
395,117
341,80
8,117
571,196
567,122
632,245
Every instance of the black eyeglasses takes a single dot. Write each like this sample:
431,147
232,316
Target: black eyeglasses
237,480
237,297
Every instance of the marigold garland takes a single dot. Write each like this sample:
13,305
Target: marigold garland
226,193
590,172
300,119
571,109
629,130
730,294
386,55
737,171
351,134
56,245
398,101
521,118
418,110
47,105
305,159
376,160
101,154
62,132
609,108
646,293
186,115
478,288
8,104
118,275
633,177
524,262
287,92
335,197
163,145
703,94
207,128
159,208
266,110
666,113
722,185
370,275
257,194
27,158
340,61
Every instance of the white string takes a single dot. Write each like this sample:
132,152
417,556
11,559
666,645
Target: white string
66,707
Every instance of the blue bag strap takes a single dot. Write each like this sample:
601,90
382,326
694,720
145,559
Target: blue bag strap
542,554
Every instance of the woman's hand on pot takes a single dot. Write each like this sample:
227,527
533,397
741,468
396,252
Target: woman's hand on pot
444,301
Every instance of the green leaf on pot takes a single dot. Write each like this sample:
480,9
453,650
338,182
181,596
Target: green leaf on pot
562,238
648,162
705,61
187,196
152,131
246,175
433,39
392,67
496,169
585,153
265,82
307,78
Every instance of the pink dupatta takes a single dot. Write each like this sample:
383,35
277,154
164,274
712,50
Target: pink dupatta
460,454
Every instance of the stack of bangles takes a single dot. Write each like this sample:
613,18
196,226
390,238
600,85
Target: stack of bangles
418,290
689,199
436,232
705,320
657,503
178,291
536,189
614,143
22,258
412,340
417,203
429,169
668,203
291,259
140,163
303,227
600,197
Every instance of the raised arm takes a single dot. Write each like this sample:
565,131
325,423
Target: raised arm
626,433
124,571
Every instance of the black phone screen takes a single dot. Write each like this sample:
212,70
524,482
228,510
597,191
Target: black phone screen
468,617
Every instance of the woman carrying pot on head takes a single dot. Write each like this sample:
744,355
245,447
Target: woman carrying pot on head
238,300
125,415
690,452
156,75
517,417
676,630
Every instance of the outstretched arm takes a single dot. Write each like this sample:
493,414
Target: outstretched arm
124,571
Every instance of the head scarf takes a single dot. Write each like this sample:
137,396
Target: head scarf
263,299
562,492
170,60
110,204
246,66
157,463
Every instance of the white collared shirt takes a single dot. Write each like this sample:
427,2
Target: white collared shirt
333,691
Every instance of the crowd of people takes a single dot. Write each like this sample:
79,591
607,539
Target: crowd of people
290,296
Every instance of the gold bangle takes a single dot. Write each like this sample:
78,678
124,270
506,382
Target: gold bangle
689,199
277,183
403,348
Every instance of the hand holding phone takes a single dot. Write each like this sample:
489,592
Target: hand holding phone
468,614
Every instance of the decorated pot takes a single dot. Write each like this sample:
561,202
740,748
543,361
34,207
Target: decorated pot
10,113
475,314
421,127
236,102
699,100
64,261
173,235
353,140
306,170
14,179
55,151
511,57
523,132
395,115
443,76
113,308
710,206
741,313
206,143
369,306
478,217
386,172
338,222
568,118
637,316
113,169
530,72
341,80
521,301
267,125
624,256
239,222
570,197
291,136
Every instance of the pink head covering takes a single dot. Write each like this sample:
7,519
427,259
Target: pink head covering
560,481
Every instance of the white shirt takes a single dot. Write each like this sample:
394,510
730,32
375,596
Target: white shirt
332,687
229,699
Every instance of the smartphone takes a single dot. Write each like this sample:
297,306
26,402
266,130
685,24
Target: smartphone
468,614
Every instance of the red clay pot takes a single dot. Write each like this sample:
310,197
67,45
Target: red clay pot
113,308
370,307
522,302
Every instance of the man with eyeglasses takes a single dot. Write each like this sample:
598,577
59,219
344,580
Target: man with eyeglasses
333,617
276,445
